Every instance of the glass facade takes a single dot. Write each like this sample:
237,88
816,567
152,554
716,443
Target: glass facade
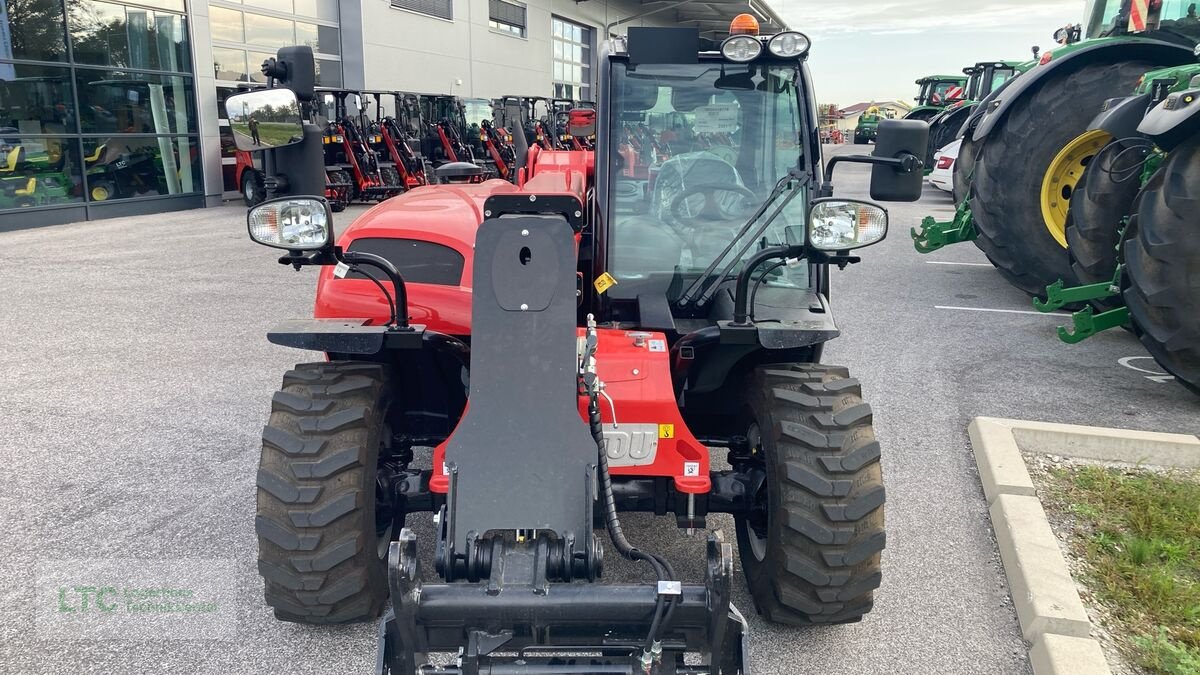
97,103
572,63
244,34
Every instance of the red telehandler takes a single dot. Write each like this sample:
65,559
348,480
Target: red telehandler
447,127
572,347
349,148
395,142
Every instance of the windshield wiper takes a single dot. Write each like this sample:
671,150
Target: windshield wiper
702,289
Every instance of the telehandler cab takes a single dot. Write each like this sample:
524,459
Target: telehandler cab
575,346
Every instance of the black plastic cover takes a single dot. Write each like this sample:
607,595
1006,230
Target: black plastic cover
1121,116
665,45
1173,121
419,262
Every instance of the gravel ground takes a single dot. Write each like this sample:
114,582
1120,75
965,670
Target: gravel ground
136,380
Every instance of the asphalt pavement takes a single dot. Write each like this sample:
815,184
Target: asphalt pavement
135,379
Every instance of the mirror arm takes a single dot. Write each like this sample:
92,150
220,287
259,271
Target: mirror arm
741,313
905,163
384,265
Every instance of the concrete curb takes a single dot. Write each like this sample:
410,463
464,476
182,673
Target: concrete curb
1052,616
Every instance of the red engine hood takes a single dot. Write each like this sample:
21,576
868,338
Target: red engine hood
443,214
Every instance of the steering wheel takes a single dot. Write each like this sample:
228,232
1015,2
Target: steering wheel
685,207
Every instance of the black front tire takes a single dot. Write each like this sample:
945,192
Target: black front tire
1010,168
321,551
812,555
1098,213
254,189
1162,265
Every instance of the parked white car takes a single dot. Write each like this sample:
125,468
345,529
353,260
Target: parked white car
942,177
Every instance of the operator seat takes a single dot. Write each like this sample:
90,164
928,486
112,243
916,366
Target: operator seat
642,244
685,171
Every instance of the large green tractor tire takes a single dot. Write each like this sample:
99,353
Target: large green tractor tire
1162,264
964,169
1098,210
943,133
1028,169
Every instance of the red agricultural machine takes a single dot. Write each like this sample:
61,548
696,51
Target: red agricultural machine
528,361
446,129
350,142
395,139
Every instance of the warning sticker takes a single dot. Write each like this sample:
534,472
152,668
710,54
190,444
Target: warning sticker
340,270
719,118
666,431
604,282
691,468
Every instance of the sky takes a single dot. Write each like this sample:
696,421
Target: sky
875,49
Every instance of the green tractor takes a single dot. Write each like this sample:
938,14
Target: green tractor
867,128
1026,146
984,78
1128,240
936,93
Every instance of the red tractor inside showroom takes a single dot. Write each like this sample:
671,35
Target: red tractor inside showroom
528,361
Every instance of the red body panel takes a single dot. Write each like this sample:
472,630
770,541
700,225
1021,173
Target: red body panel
443,214
636,370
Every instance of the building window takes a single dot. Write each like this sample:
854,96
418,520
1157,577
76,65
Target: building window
443,9
572,64
243,38
507,17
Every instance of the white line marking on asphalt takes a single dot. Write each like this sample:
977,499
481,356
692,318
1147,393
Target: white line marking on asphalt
1154,376
1000,311
945,262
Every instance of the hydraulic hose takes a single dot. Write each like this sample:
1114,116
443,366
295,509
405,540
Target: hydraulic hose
613,524
663,608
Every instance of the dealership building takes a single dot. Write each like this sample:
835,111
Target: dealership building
114,108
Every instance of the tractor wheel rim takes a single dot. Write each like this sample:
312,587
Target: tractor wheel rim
249,191
1063,175
99,193
758,544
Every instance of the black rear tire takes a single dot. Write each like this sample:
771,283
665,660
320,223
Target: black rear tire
812,556
1010,168
923,115
321,552
964,169
944,131
1098,213
1162,264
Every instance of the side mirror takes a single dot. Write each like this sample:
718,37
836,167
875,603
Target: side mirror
265,119
902,140
292,223
845,224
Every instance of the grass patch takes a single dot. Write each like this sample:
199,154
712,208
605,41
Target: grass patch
1139,534
270,133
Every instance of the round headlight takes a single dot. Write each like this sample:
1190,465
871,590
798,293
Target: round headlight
741,48
789,45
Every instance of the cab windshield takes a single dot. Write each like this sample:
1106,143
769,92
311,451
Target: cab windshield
695,151
1180,15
